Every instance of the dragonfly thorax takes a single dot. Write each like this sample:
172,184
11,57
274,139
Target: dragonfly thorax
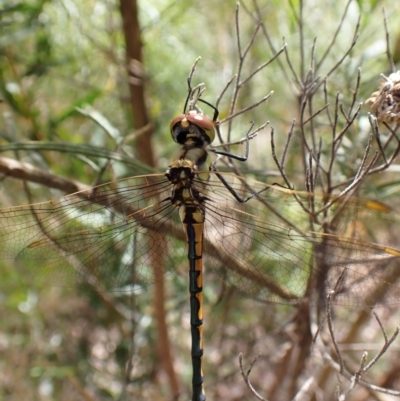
181,172
188,183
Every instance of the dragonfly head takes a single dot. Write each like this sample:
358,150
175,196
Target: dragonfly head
193,128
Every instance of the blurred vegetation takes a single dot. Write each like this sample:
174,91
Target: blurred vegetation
66,108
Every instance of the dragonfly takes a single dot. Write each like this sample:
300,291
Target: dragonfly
266,241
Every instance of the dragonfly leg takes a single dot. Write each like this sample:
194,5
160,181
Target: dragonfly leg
232,191
232,155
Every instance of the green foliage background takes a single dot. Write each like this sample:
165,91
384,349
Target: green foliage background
63,60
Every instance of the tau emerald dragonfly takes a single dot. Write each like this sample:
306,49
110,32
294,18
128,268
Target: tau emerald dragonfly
256,237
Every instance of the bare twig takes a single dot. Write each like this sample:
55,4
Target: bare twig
334,36
346,54
246,375
316,113
259,17
280,164
193,69
221,95
252,106
374,125
363,368
388,51
388,342
329,299
355,92
263,65
294,73
349,376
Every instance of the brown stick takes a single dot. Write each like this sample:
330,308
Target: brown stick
144,150
136,76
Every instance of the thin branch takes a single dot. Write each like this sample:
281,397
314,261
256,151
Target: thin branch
252,106
260,67
374,125
246,375
269,40
286,148
364,159
329,299
340,61
251,41
334,128
334,37
388,51
326,100
355,92
280,165
347,191
355,379
363,368
293,71
349,123
228,84
193,69
319,111
237,25
385,347
349,376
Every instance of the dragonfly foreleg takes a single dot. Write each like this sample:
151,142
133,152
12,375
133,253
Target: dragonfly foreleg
232,155
232,190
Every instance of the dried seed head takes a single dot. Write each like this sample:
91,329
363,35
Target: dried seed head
385,103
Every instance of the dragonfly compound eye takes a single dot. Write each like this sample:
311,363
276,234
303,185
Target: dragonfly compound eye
193,126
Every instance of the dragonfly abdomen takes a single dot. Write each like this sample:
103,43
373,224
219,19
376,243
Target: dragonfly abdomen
193,222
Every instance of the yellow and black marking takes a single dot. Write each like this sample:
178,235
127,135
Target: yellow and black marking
190,200
189,174
193,223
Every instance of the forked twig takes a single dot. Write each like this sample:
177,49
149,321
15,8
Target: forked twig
246,375
281,164
238,80
193,69
385,347
349,376
363,367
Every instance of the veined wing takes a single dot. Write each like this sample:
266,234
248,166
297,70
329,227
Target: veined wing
287,246
279,246
111,236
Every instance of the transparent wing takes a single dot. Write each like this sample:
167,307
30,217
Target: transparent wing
111,237
288,247
279,246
